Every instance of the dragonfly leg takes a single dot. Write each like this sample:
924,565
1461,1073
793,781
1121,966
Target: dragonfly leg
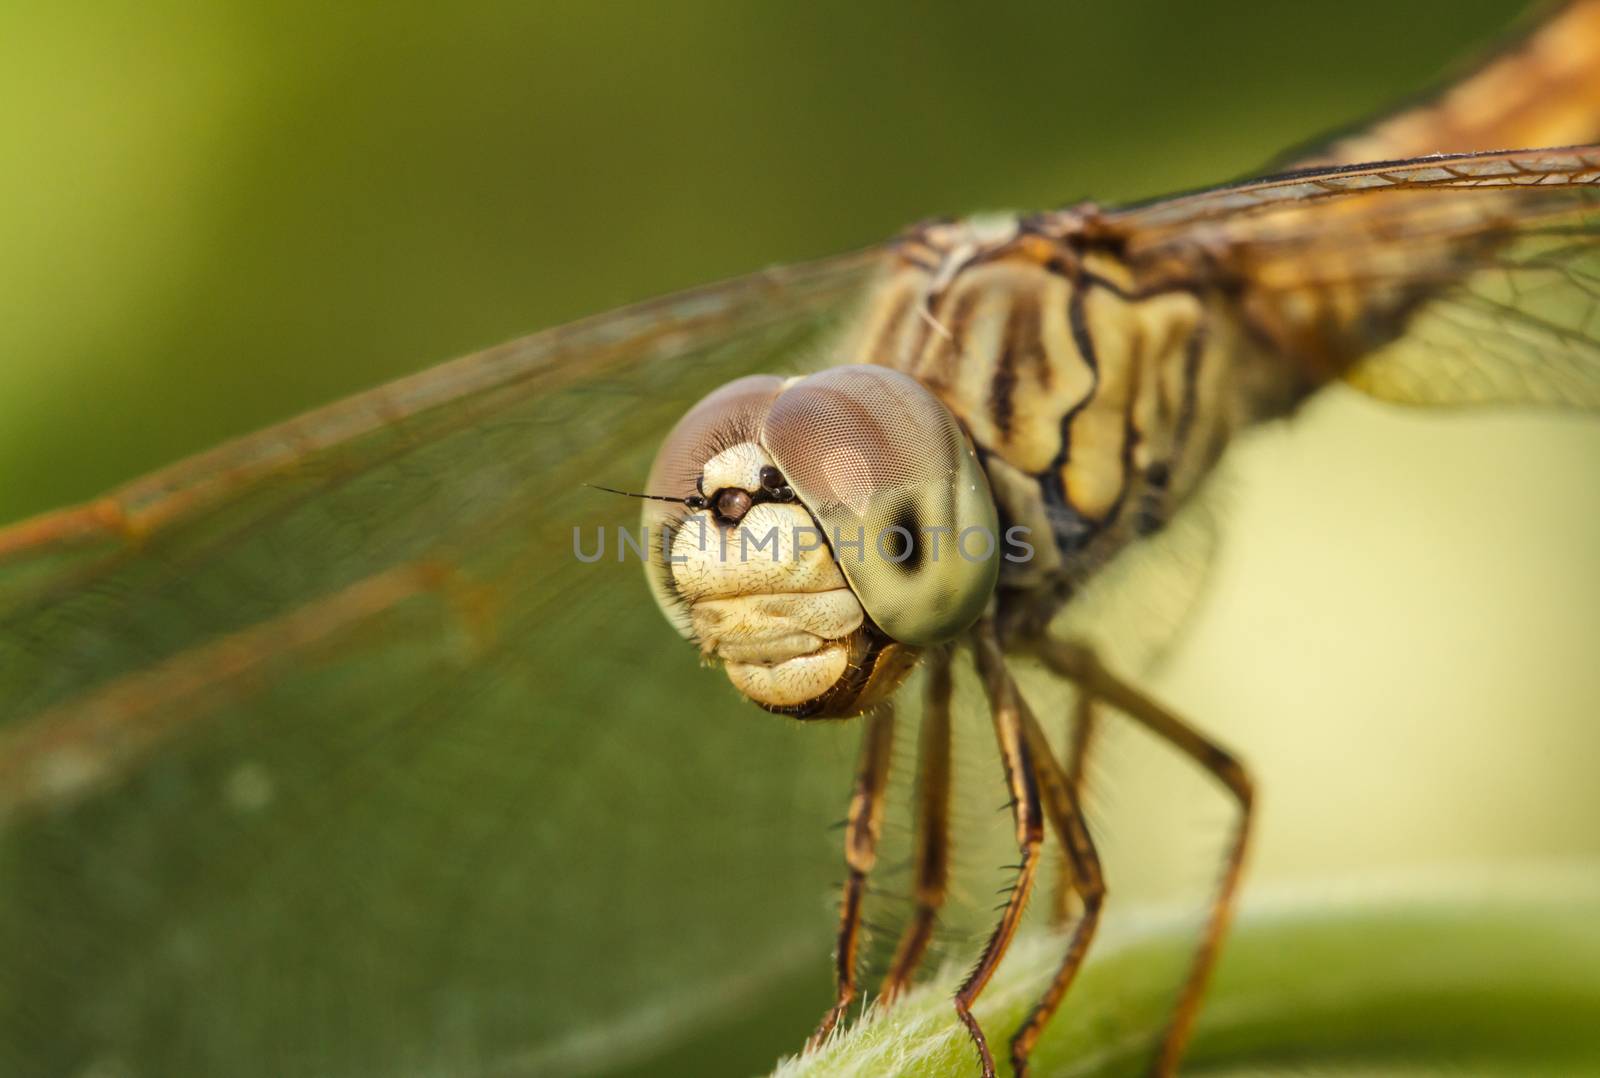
1016,753
1082,875
1082,667
862,826
932,867
1085,715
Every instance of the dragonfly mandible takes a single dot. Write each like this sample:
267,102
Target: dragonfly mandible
1099,361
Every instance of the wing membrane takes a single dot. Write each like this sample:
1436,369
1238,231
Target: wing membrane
329,728
406,472
1523,330
1443,281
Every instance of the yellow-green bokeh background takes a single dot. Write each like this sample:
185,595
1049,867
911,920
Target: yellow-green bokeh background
215,215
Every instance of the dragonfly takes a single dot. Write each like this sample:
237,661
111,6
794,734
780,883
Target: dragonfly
1077,373
1073,377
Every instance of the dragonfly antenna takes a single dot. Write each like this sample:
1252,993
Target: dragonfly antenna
631,494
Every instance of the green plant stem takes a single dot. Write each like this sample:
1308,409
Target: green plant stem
1457,975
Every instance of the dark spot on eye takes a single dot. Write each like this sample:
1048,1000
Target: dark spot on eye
901,541
1159,474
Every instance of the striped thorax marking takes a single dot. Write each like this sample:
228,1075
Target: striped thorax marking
1097,400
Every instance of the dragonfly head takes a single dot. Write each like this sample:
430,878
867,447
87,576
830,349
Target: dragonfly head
825,534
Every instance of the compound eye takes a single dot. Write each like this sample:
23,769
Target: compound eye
894,482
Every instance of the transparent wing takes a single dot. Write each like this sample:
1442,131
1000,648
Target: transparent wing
1451,280
331,730
1523,328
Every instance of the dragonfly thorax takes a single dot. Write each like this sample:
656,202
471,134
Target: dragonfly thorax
1099,393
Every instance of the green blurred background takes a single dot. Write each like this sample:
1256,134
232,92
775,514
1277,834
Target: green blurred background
215,215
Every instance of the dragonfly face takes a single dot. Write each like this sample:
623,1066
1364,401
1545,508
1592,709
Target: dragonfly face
830,526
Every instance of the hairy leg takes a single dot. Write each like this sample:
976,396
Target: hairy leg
860,853
1083,668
